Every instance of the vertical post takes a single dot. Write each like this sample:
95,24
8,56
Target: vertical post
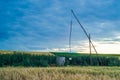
90,49
70,35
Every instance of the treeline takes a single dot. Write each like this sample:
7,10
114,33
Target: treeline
33,60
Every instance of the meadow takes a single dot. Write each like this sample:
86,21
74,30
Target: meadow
17,65
60,73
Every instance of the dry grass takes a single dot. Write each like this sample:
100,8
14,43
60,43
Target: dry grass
60,73
36,53
40,53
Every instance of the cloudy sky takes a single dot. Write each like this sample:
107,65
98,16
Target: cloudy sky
43,25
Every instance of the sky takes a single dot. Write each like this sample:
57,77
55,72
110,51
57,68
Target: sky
44,25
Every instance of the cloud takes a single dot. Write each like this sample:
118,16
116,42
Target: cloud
44,25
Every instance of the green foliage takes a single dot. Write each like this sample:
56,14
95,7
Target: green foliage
36,60
23,59
84,59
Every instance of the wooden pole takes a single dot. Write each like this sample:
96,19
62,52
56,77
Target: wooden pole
100,62
70,35
90,50
84,30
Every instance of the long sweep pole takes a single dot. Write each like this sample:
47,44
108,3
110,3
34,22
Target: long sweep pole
85,33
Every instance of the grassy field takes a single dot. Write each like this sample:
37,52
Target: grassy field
45,59
65,54
26,52
60,73
37,66
58,53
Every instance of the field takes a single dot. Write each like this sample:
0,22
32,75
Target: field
16,65
60,73
45,59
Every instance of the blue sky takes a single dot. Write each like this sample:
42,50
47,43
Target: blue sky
43,25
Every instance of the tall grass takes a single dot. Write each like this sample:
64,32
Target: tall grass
24,59
60,73
96,60
49,59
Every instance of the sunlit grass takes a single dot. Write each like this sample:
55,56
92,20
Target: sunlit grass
60,73
25,52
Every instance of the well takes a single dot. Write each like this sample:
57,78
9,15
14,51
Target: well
60,60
